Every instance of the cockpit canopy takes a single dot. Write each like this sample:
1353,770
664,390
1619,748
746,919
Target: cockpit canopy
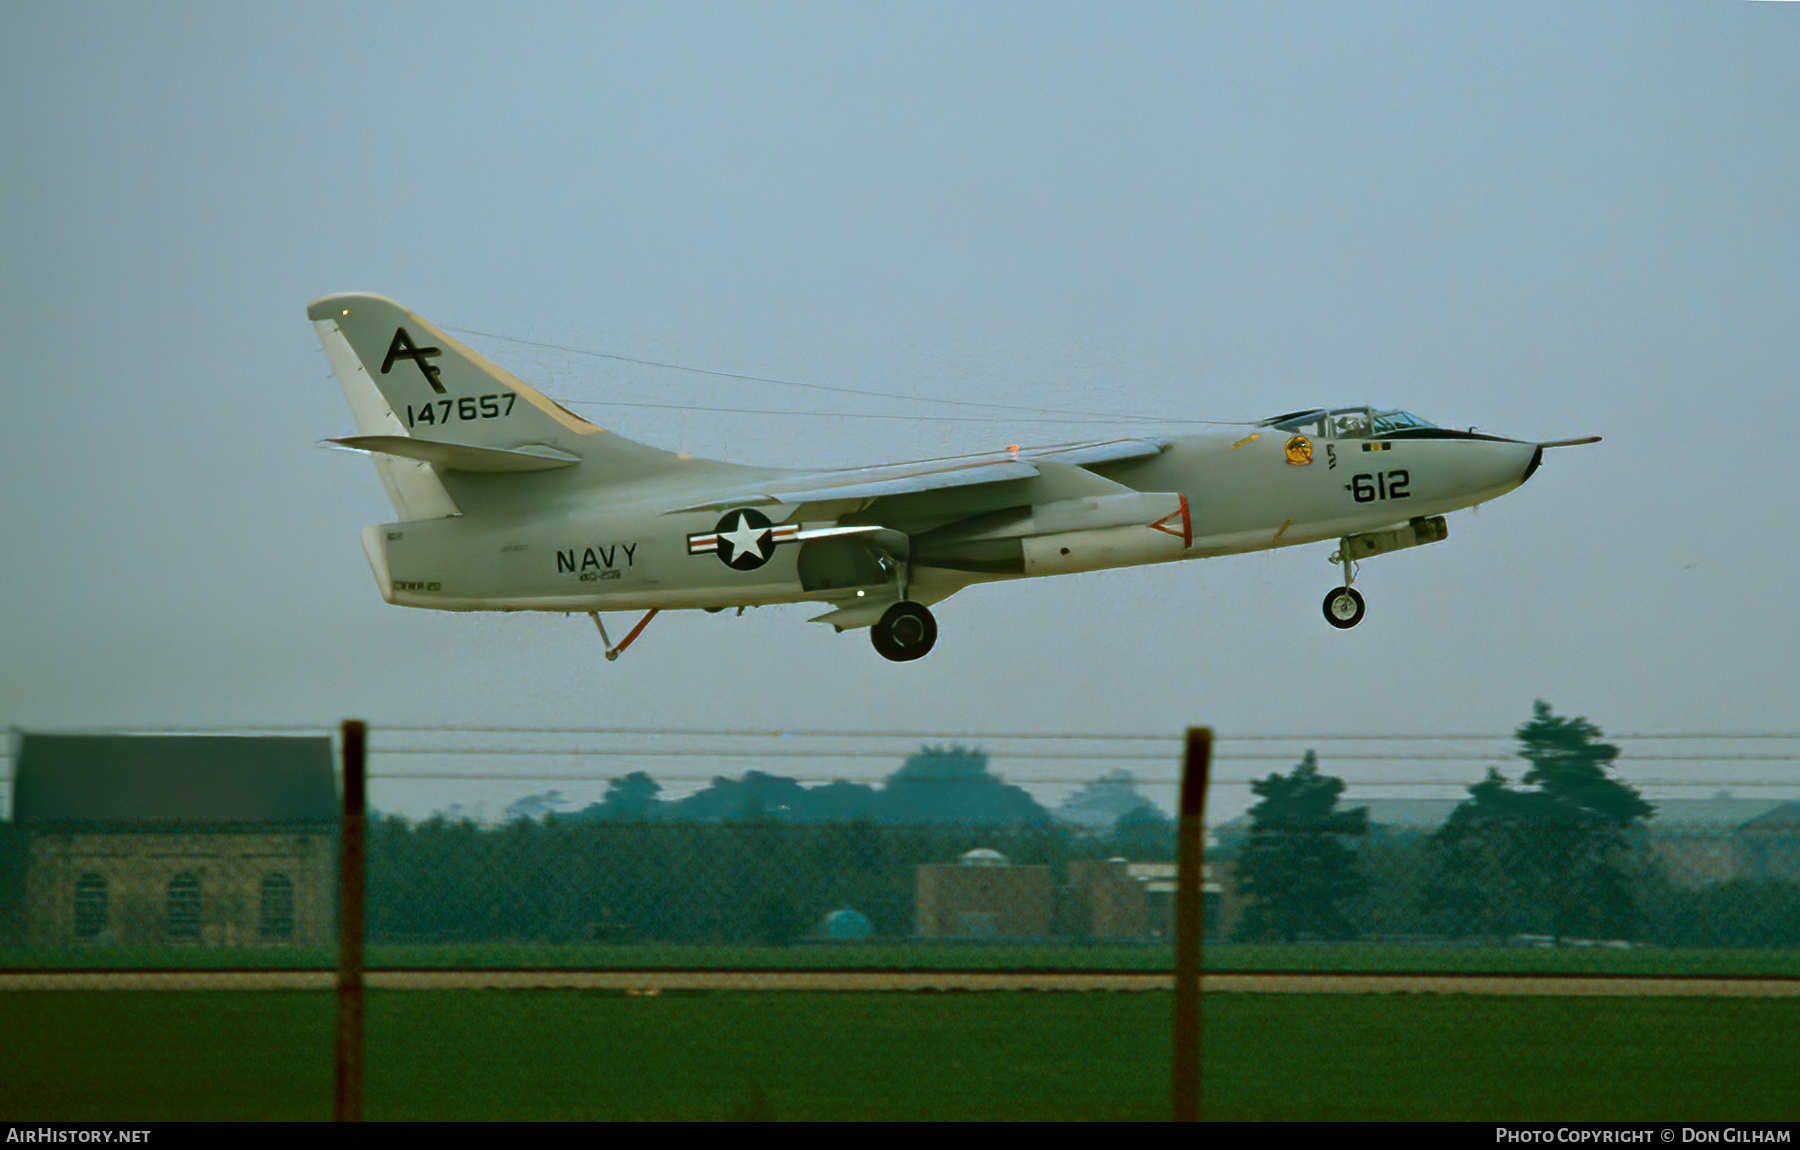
1345,422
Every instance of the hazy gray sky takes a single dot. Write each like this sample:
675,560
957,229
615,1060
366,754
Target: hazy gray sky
1544,220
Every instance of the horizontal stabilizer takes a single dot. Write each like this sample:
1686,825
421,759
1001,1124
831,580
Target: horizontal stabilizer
462,456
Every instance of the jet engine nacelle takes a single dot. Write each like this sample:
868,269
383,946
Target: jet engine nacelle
1083,534
1091,513
1099,549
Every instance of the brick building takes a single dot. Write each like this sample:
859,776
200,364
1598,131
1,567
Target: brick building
176,839
982,895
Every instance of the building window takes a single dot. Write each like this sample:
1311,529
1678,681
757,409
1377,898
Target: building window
277,919
90,906
184,906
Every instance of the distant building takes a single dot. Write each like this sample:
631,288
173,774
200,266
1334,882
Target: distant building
1404,816
1114,899
1106,901
176,839
1697,841
1701,841
1222,905
982,895
1768,846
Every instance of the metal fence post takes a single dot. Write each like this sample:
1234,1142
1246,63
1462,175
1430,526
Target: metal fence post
1190,923
351,858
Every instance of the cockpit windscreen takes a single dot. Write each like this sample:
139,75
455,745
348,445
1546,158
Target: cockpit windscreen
1345,422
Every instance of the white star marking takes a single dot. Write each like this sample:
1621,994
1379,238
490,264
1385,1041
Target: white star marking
744,538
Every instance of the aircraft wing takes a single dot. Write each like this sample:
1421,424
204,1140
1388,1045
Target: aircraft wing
1110,451
923,475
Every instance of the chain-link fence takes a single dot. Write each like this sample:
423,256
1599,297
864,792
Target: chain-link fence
645,867
104,865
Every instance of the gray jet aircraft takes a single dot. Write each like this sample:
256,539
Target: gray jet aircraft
508,502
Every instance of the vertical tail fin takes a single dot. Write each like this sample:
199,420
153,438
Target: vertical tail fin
403,376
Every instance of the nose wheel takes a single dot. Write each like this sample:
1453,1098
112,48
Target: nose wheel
906,631
1344,607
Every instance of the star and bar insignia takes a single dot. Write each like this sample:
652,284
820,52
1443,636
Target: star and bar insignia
744,539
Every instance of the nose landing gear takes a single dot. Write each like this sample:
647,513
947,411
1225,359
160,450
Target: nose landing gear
1344,605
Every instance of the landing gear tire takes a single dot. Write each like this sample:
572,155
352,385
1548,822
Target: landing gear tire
906,631
1344,608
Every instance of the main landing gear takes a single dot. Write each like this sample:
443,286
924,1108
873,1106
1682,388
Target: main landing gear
905,631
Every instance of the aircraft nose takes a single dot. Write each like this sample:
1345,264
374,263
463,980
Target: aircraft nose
1486,468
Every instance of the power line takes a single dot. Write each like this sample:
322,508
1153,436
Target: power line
1101,756
864,392
865,415
1034,780
1172,737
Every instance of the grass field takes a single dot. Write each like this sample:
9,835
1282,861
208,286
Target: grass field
912,956
462,1055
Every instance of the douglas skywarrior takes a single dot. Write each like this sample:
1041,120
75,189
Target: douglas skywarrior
505,501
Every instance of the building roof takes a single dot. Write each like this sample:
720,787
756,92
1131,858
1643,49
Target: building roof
172,779
1707,816
1783,818
1404,814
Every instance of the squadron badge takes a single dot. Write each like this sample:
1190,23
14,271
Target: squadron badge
1299,451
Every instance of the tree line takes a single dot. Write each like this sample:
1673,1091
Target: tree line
758,859
1562,855
746,880
937,786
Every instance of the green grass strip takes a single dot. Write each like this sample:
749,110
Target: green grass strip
507,1055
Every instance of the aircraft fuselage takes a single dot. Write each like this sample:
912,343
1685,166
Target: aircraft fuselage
1242,493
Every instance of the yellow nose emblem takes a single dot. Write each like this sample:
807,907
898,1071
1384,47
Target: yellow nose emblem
1299,451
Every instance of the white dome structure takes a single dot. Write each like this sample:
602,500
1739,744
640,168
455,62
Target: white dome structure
982,856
